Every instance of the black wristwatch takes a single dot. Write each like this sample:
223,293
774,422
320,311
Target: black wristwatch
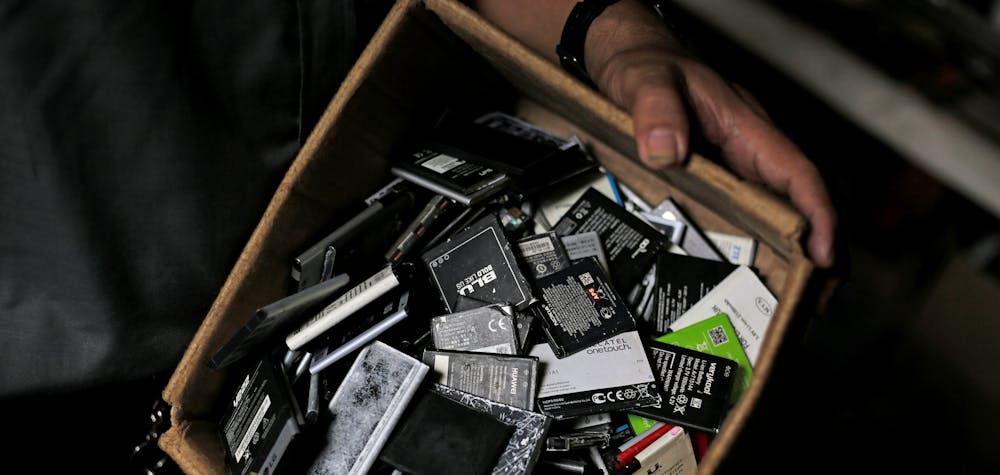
574,35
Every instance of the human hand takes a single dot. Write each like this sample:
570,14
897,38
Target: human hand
645,72
634,60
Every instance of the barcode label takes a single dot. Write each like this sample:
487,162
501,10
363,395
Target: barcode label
718,336
586,278
536,246
442,163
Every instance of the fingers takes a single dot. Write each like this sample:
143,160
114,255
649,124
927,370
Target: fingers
661,126
751,101
783,167
789,172
823,221
652,90
660,89
760,152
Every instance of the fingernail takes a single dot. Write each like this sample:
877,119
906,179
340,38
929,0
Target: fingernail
831,257
662,147
824,256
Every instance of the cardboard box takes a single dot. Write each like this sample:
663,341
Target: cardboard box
425,55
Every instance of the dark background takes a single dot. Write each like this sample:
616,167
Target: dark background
899,373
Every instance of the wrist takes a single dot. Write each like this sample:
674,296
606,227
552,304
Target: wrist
572,47
625,31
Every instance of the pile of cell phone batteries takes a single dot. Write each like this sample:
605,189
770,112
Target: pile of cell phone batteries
501,305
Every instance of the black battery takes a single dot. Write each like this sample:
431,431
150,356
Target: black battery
261,419
478,262
512,380
581,308
695,387
630,243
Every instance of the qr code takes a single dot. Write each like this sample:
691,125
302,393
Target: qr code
718,336
696,402
586,279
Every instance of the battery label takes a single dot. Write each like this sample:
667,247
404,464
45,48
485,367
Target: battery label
543,254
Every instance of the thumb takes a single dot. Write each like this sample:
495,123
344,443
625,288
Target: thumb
660,123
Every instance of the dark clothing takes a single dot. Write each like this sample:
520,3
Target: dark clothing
140,142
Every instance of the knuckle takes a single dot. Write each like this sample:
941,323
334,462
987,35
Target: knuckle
636,73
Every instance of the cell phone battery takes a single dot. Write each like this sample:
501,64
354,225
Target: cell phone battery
681,281
631,244
570,161
480,330
693,242
261,420
495,147
465,182
353,300
543,254
358,330
416,231
530,427
358,243
740,250
525,322
514,126
580,308
272,318
370,401
478,262
583,245
695,387
511,380
441,436
613,375
672,229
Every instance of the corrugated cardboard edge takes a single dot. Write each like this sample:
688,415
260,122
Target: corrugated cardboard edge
798,277
184,445
194,446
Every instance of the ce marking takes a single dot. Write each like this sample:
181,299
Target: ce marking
610,396
499,324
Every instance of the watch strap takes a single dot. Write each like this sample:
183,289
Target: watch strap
574,35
